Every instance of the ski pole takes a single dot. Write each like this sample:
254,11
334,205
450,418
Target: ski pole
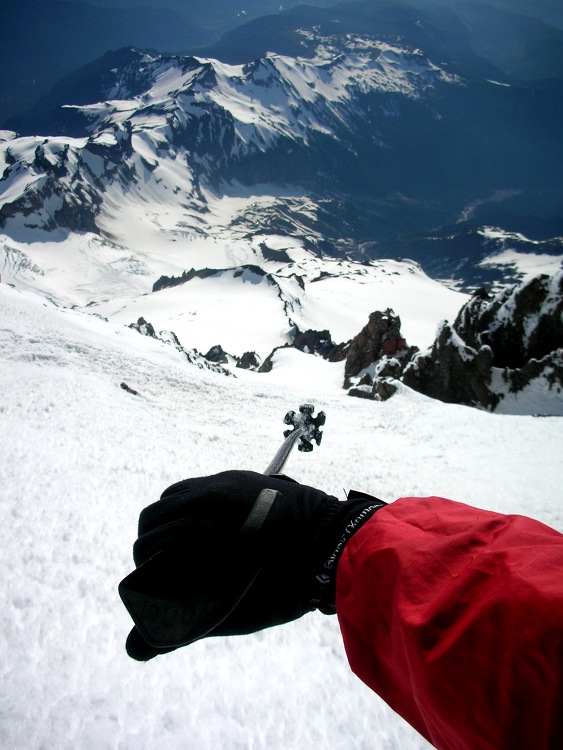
306,429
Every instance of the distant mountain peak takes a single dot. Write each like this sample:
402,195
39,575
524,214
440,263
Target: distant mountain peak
357,144
170,127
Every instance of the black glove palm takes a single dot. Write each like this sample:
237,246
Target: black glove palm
234,553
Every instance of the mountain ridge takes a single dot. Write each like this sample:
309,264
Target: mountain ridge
54,37
410,131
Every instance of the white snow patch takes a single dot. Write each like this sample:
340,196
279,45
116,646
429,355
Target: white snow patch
526,265
540,397
7,135
333,295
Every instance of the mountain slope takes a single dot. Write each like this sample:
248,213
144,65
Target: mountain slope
172,128
292,290
300,296
434,28
45,39
350,148
521,47
81,457
480,37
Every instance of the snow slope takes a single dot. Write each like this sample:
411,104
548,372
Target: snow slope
81,457
299,289
245,311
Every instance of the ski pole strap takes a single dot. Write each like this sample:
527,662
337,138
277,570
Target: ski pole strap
259,511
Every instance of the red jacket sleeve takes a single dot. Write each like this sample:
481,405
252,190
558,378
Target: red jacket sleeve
454,616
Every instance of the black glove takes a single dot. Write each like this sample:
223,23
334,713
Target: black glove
234,553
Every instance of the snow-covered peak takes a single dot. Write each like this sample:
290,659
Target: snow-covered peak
174,144
269,93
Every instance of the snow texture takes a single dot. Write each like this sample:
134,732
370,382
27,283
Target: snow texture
81,457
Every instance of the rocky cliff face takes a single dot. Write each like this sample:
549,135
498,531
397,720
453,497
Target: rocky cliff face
453,372
499,348
376,357
519,324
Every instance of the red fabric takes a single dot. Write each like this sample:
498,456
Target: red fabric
454,616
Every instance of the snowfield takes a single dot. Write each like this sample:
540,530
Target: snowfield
81,457
240,306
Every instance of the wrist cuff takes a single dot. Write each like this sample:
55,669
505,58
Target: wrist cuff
324,591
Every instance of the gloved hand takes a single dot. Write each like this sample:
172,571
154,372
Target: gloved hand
234,553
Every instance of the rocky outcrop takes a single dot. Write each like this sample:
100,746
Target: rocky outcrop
315,342
548,368
376,357
319,343
453,372
519,324
373,359
64,193
505,347
249,361
169,337
268,364
503,351
128,388
147,329
500,346
378,341
165,282
217,355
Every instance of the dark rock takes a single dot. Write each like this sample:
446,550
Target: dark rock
249,361
383,389
361,392
268,363
249,268
314,342
518,333
310,342
280,256
193,356
392,367
56,165
129,389
519,324
549,368
340,352
217,354
453,372
165,282
381,337
379,389
147,329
